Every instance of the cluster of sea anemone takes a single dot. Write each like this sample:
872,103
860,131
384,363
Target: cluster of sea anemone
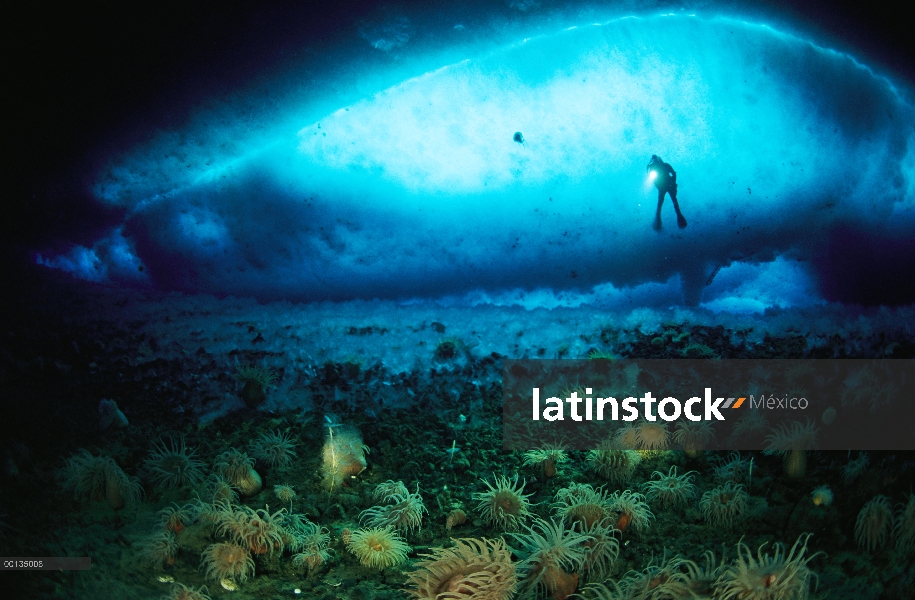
247,533
778,575
258,530
667,578
872,385
402,511
307,541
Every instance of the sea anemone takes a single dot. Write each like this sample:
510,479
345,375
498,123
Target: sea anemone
752,425
874,524
671,489
547,456
176,519
724,505
96,477
854,468
218,489
86,474
227,561
173,465
601,549
693,436
669,579
274,449
630,511
308,542
652,435
405,512
182,592
255,381
503,504
343,456
378,548
214,512
904,526
284,493
821,496
258,530
236,468
581,503
626,437
613,464
552,556
777,576
477,569
870,384
159,549
735,469
792,442
384,491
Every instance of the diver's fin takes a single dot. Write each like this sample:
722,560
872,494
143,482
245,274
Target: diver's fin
681,221
657,223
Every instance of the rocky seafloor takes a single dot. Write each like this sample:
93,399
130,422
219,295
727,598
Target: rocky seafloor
429,415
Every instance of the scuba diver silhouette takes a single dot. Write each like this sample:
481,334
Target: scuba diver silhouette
665,179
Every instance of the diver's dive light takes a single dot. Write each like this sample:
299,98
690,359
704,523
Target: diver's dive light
652,175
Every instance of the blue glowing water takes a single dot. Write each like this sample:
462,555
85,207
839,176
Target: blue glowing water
782,148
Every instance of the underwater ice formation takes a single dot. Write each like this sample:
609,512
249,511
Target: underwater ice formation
796,171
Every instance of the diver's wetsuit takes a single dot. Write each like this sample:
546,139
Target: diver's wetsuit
666,182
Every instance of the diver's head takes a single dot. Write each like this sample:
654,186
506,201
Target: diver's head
655,160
